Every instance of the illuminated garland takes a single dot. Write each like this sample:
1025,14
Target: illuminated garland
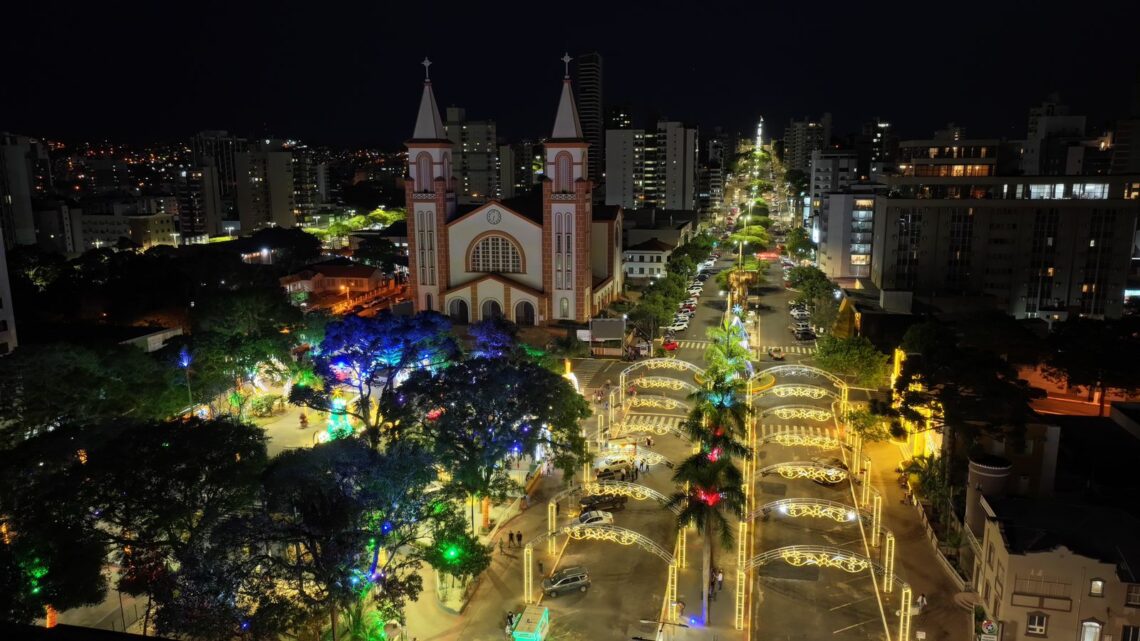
839,514
634,427
658,382
785,391
841,561
614,534
804,440
808,471
655,402
802,413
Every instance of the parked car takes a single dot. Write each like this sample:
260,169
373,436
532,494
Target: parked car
800,314
801,326
703,277
595,517
594,502
805,336
571,579
679,326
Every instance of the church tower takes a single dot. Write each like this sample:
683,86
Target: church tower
430,197
566,214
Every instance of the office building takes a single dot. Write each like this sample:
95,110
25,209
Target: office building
1057,144
476,157
265,186
199,202
18,156
710,189
7,317
220,149
801,137
876,144
1033,247
591,109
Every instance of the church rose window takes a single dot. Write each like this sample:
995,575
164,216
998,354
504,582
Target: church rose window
496,254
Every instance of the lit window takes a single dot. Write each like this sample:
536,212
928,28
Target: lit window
495,254
1132,596
1096,587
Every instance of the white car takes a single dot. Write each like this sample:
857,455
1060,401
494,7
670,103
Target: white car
678,327
596,517
800,314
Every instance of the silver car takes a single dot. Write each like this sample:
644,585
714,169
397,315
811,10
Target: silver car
567,580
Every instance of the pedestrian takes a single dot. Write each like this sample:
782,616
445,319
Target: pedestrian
540,570
557,507
518,537
500,546
720,579
510,617
507,630
921,603
511,537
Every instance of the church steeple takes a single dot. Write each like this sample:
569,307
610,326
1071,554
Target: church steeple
429,126
566,124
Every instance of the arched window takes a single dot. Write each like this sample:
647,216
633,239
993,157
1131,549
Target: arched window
423,171
524,313
495,254
491,310
427,302
562,172
564,308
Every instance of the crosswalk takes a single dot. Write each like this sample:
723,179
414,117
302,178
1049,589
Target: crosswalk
787,349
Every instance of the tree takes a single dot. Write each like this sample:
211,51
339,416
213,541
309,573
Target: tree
478,413
344,519
494,338
47,386
871,427
291,247
1096,354
970,391
726,357
160,489
367,356
855,358
799,243
453,550
378,252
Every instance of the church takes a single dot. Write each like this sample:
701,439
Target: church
540,259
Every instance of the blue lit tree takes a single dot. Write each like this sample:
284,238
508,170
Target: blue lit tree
365,358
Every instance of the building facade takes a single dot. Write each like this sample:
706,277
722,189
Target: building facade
1051,570
1034,247
265,195
845,232
591,110
219,149
829,171
625,168
17,188
801,137
646,260
200,205
534,260
7,318
655,168
476,157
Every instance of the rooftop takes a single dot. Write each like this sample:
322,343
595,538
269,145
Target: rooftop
1041,525
652,245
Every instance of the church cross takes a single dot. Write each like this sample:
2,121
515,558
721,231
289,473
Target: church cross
427,64
566,62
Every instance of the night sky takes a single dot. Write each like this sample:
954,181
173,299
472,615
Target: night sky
349,74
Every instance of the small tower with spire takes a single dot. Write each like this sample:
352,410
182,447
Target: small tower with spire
567,215
430,196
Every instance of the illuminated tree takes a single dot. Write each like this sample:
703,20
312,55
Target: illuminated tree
477,414
853,357
364,358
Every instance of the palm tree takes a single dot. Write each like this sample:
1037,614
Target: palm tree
725,356
715,491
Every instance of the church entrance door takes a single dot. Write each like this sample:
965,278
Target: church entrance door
524,313
491,310
457,310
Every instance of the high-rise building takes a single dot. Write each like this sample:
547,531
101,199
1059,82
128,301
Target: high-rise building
18,156
875,145
591,109
802,137
7,318
619,117
1055,141
656,168
310,183
476,158
265,186
221,148
199,202
831,171
1033,247
710,188
844,231
517,168
625,168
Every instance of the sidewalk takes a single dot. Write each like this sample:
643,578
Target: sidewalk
915,559
499,589
722,605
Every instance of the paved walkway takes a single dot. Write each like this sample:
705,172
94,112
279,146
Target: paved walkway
915,559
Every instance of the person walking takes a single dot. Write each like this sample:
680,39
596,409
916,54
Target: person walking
511,537
518,537
920,603
540,570
500,546
719,579
712,588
